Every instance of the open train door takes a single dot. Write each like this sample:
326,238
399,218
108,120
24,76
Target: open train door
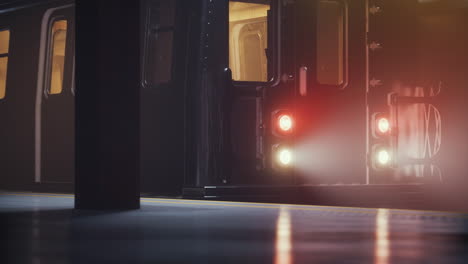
55,103
331,84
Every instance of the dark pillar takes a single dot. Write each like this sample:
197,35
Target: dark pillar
107,104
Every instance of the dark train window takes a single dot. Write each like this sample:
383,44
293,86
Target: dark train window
159,38
248,40
4,48
57,56
331,42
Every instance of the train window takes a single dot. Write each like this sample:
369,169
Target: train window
331,42
4,48
159,40
57,53
248,40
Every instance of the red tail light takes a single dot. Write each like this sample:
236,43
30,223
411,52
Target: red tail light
282,123
285,123
382,125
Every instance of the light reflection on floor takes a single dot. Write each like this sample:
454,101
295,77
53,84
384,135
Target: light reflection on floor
382,243
43,228
283,244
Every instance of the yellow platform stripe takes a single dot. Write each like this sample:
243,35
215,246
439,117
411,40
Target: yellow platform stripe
362,211
50,195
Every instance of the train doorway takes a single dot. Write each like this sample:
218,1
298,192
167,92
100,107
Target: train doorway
164,96
55,103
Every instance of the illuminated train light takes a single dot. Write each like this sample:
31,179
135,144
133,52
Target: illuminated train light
383,125
285,123
285,157
282,123
383,157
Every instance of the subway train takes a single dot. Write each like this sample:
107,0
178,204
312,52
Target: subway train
37,93
240,97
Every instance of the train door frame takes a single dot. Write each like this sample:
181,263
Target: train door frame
7,54
4,104
331,119
253,170
166,31
68,88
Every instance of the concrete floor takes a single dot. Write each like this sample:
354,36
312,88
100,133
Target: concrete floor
44,228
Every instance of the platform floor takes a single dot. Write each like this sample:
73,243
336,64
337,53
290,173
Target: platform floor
44,228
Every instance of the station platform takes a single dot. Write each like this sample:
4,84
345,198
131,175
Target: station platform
44,228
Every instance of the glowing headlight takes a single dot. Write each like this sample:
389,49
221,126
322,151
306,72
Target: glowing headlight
282,123
285,123
383,157
285,157
383,125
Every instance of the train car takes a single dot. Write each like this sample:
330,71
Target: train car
257,97
37,94
334,93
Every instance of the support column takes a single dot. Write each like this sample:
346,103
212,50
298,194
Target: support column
107,104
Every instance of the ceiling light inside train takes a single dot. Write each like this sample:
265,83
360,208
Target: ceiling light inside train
383,157
383,125
285,123
284,157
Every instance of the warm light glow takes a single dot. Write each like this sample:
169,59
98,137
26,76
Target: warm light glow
283,243
244,11
4,41
4,46
59,41
248,40
383,157
285,157
383,125
285,123
382,243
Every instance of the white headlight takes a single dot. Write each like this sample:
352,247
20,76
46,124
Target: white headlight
383,157
285,157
